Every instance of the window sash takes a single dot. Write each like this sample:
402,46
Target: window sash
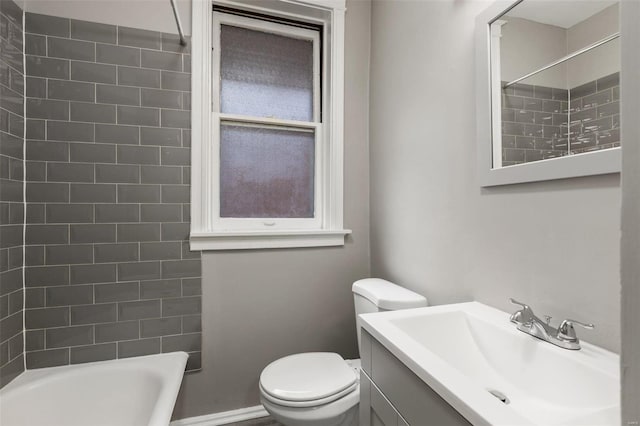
221,18
218,119
226,223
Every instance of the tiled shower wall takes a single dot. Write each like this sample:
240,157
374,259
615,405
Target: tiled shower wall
11,191
595,114
534,123
534,120
108,269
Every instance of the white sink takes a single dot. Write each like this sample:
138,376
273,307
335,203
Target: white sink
465,350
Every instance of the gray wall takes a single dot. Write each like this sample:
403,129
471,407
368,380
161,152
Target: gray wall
630,104
528,45
553,244
108,270
601,61
11,194
261,305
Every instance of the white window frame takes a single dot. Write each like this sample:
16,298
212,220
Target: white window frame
218,119
208,230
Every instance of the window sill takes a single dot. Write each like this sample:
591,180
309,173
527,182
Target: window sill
243,240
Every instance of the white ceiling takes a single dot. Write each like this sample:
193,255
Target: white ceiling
561,13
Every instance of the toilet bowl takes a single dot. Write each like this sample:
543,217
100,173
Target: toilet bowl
316,388
322,388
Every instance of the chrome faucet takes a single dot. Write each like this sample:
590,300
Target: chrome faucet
564,336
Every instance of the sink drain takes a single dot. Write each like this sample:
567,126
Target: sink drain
502,397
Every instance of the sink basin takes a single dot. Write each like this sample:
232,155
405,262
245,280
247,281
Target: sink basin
493,374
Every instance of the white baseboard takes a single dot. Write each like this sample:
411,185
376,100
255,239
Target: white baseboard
224,418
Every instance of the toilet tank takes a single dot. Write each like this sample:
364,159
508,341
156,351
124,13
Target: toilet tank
378,295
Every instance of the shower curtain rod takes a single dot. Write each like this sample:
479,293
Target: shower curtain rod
566,58
183,42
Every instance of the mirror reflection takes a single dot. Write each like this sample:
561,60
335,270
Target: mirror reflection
555,80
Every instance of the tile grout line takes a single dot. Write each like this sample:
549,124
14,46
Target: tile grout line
24,195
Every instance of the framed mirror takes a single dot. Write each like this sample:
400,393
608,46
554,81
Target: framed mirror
548,90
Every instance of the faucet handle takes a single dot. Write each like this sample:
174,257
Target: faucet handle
515,302
525,315
566,331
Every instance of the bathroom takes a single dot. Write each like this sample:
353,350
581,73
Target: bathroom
101,261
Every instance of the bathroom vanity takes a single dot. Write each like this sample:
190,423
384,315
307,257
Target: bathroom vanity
391,394
467,363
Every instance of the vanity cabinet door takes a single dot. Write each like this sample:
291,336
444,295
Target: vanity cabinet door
375,409
392,395
382,412
418,404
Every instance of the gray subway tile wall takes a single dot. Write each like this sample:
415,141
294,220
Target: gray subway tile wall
594,114
108,272
533,123
11,193
535,120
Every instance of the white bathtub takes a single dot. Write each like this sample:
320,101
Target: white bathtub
133,391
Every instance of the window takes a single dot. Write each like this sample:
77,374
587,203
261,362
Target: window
267,125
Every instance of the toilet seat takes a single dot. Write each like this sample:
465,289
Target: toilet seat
310,403
307,379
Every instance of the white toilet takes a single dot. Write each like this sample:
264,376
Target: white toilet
322,388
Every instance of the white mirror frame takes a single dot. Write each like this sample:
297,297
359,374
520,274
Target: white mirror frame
587,164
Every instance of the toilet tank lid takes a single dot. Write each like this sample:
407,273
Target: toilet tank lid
386,295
